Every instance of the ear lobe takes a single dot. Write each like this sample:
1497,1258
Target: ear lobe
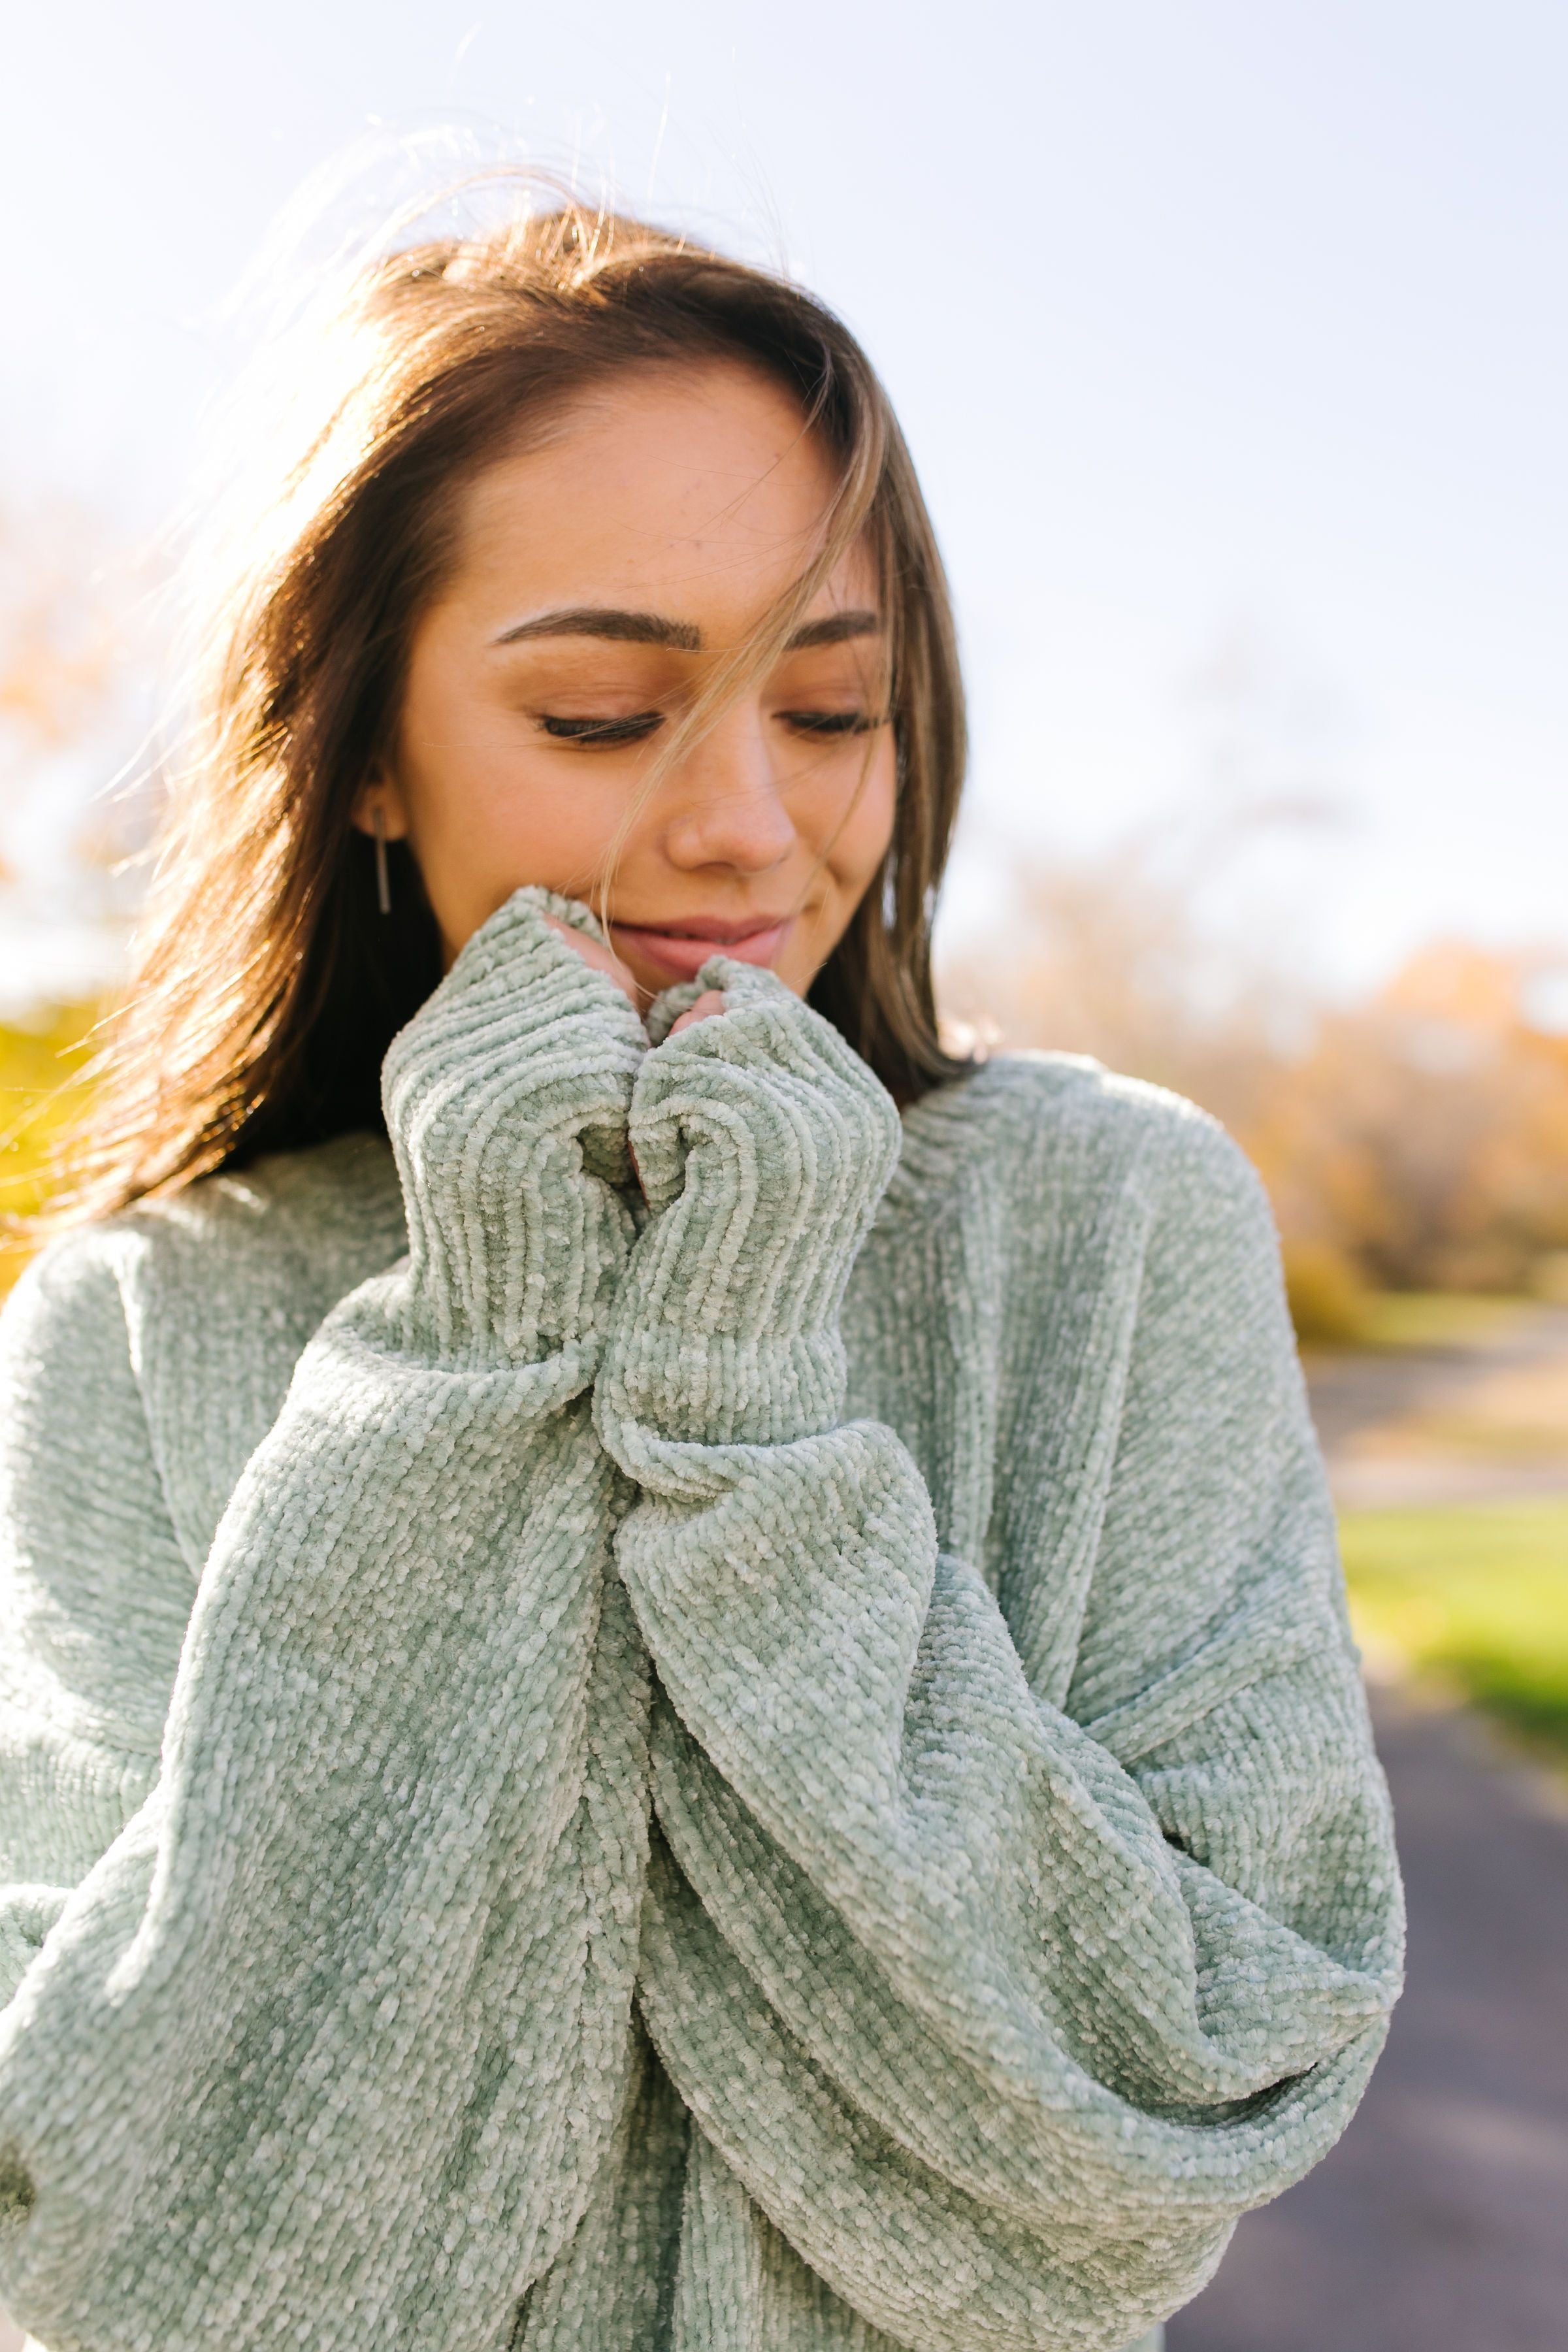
379,792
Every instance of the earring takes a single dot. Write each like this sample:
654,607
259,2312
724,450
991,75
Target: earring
382,879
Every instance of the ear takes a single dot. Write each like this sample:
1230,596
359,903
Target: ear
380,790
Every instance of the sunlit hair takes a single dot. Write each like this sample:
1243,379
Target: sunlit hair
269,983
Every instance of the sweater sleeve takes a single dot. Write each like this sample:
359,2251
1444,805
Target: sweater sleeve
328,2044
1000,2016
94,1590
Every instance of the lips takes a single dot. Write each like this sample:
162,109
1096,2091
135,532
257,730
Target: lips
682,952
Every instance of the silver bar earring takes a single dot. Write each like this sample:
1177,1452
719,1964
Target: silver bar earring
382,879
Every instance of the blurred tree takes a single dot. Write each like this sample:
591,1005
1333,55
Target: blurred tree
1425,1133
76,629
1123,956
1418,1139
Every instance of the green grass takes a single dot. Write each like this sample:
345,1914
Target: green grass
1433,1319
1476,1594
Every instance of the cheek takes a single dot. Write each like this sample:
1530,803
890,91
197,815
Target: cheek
851,846
868,828
489,811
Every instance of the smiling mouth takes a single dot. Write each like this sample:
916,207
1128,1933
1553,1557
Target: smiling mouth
683,948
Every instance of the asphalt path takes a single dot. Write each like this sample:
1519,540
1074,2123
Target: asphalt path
1355,1389
1369,1402
1440,2222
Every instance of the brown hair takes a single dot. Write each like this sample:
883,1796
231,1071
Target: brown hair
270,985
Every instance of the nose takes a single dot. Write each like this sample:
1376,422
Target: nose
725,802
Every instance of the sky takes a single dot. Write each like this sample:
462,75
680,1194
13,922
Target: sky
1228,336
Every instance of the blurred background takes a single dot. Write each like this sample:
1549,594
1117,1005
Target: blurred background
1230,340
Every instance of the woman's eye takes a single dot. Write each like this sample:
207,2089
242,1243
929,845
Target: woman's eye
831,723
603,730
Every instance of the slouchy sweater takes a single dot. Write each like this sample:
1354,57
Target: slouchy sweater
675,1714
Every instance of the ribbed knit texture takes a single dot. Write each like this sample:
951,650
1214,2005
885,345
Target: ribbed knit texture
779,1767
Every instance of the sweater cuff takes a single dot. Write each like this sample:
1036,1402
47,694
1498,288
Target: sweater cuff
764,1144
506,1102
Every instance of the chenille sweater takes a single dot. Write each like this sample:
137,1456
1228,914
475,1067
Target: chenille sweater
677,1716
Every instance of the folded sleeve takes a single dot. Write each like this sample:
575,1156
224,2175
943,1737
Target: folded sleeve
1000,2006
329,2044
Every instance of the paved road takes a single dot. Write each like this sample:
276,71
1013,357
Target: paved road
1355,1388
1367,1404
1440,2223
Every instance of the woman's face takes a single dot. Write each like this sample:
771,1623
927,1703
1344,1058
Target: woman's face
597,579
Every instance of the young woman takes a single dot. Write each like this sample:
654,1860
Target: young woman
695,1695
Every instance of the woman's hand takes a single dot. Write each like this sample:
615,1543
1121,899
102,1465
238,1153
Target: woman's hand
711,1001
507,1098
604,959
763,1144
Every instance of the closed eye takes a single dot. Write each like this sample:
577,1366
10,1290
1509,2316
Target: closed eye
642,723
832,722
603,730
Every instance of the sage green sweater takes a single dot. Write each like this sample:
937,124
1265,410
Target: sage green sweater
777,1769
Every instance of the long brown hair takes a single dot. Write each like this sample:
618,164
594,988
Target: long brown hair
269,985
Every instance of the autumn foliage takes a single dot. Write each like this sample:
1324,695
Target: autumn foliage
1417,1139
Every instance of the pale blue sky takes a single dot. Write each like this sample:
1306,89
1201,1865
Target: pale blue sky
1229,336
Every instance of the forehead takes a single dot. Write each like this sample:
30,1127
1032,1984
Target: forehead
697,490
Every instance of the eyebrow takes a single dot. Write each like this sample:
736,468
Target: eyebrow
654,629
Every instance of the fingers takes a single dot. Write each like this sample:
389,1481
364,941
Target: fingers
602,958
711,1001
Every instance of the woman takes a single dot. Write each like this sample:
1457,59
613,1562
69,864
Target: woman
766,1752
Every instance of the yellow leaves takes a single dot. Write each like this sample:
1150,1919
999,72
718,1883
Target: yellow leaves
41,1097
